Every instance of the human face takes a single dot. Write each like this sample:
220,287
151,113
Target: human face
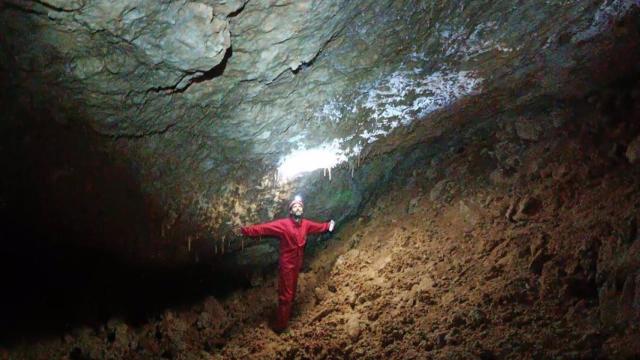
297,210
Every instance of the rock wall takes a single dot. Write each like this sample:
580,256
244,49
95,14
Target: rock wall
205,99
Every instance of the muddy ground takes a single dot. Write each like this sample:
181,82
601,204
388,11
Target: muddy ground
523,245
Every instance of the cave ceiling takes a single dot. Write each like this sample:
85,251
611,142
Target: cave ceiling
211,102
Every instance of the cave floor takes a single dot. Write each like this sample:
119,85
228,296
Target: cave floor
460,280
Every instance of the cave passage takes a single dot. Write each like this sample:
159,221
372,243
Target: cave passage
480,160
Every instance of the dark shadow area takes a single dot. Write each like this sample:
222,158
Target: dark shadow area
79,241
51,286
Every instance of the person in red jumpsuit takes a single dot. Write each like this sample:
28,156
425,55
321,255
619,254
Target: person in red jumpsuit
292,232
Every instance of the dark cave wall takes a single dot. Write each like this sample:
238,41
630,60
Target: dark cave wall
60,185
79,242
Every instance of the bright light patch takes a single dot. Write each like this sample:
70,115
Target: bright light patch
302,161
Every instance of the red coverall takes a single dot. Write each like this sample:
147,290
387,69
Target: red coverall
293,237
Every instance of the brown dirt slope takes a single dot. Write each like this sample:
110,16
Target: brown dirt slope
541,261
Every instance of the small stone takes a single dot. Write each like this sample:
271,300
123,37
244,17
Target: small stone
431,173
500,177
590,340
630,230
410,354
528,129
320,294
453,337
545,173
204,320
615,151
470,213
627,298
559,116
457,320
511,210
635,304
507,317
440,341
413,205
442,191
353,329
374,315
633,151
559,172
485,354
528,206
538,243
476,318
537,262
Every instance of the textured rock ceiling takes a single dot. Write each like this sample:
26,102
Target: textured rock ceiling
206,99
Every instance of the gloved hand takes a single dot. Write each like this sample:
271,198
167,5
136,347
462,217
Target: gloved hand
237,231
332,224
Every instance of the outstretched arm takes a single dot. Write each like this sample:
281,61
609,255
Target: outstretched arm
316,228
272,228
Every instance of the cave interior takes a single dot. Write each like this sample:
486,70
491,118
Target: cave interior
481,161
